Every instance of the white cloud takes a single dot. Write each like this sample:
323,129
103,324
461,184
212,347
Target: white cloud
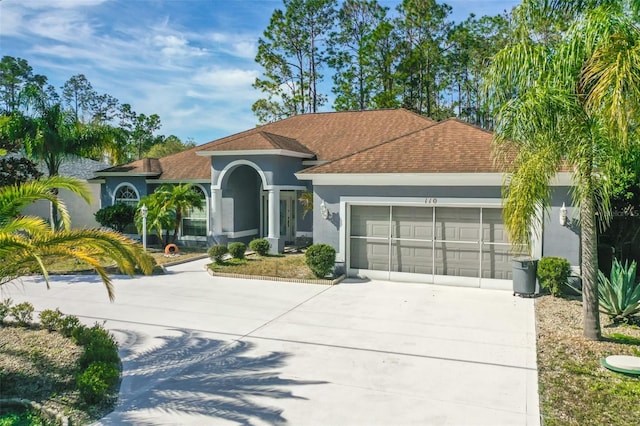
238,45
61,4
176,46
225,78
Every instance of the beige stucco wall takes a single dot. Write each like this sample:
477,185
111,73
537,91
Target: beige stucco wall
81,212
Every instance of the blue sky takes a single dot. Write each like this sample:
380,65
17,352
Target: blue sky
189,61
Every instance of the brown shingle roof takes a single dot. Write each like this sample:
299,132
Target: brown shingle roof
451,146
257,140
183,165
329,136
332,135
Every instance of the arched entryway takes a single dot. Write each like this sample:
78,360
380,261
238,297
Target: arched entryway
246,204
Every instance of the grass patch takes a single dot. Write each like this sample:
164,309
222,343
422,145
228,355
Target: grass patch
574,388
291,266
70,266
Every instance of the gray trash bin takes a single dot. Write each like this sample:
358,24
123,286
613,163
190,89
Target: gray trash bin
524,275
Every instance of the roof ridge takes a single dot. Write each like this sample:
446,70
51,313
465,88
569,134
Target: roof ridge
272,138
372,147
466,123
260,127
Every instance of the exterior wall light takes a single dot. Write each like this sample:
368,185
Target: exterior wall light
324,211
563,215
143,212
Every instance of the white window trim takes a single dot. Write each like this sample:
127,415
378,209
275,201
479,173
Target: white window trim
207,212
120,185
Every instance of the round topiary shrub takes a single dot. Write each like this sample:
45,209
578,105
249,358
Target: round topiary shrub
320,258
260,246
236,250
216,252
553,273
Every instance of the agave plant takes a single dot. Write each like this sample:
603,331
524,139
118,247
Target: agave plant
619,295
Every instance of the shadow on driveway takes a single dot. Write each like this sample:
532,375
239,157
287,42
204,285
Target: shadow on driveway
191,374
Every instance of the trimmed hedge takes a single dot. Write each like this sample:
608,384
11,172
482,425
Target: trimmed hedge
216,252
321,258
236,250
260,246
553,273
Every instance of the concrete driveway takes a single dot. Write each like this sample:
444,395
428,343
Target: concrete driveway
201,350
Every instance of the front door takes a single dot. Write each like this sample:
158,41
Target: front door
288,216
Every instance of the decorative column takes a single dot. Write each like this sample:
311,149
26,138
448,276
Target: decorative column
274,221
215,216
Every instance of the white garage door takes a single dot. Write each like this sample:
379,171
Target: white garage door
438,243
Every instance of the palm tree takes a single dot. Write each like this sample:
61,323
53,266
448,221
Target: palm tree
27,244
54,136
167,205
567,106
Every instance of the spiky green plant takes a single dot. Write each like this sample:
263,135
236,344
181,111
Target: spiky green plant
27,244
619,294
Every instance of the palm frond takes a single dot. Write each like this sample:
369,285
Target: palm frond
14,198
611,79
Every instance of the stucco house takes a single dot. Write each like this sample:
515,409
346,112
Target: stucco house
81,212
400,196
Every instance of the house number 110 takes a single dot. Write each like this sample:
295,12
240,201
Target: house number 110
431,201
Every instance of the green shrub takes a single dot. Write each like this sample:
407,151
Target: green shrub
22,313
68,324
81,335
100,347
216,252
320,258
260,246
51,319
5,308
236,250
117,216
94,382
553,273
619,295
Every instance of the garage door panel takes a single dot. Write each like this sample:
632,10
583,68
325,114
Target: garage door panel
469,233
454,224
413,222
457,259
412,256
378,230
493,229
496,262
456,233
370,221
371,254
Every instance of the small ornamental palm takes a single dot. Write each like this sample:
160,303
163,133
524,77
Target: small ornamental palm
166,207
27,243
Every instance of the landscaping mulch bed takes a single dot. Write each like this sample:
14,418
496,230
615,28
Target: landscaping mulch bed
574,388
41,366
291,266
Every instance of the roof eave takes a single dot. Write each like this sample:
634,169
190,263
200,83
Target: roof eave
243,152
143,174
417,179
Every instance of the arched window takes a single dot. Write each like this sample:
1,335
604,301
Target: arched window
194,221
126,194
